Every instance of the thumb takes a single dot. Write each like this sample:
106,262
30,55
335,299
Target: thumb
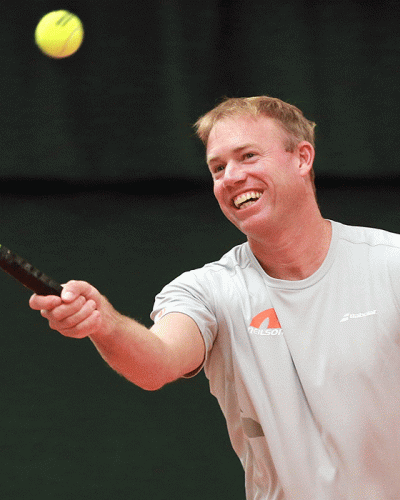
73,289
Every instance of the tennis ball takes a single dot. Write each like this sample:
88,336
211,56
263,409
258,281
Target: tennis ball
59,34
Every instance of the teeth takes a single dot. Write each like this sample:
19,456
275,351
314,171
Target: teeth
245,197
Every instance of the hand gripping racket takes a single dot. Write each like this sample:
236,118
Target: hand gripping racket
26,274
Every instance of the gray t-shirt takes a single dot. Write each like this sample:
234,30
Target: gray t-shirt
307,372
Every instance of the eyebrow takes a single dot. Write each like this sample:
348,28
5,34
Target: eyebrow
213,159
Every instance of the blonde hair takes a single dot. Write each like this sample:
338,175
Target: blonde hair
291,118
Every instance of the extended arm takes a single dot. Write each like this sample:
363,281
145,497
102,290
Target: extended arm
150,358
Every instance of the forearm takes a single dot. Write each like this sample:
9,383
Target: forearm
135,352
149,358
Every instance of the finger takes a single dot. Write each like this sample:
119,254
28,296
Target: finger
38,302
66,310
81,315
89,325
74,289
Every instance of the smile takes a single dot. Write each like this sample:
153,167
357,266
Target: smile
246,199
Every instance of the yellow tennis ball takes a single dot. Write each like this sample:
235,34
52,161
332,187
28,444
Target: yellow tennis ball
59,34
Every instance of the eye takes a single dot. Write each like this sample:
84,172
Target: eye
217,169
248,156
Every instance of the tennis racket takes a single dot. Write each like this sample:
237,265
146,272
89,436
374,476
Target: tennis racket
26,274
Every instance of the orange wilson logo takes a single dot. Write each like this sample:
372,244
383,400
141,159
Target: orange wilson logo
265,323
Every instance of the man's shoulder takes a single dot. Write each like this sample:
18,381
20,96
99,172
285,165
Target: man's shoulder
238,257
213,277
236,260
363,235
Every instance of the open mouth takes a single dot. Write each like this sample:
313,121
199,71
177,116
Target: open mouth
247,199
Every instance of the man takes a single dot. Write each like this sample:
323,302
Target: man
297,329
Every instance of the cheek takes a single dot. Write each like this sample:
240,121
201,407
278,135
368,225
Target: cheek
218,191
222,202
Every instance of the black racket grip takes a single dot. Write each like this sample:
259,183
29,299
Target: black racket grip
26,274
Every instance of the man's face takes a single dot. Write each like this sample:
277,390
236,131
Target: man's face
257,183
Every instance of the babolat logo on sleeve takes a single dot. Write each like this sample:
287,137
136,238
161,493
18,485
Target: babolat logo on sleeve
265,323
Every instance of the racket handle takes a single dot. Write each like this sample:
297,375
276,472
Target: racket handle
26,274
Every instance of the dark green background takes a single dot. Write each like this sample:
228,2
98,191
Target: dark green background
101,179
123,106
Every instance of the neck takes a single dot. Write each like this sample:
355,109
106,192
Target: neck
295,253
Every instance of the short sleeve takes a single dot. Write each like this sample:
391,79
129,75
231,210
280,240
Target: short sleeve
188,294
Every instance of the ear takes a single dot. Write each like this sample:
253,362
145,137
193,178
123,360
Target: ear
306,154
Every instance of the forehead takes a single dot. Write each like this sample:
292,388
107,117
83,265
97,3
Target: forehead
235,132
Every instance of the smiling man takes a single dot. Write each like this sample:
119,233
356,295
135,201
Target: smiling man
297,329
264,183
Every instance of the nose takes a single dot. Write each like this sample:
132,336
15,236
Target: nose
234,172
